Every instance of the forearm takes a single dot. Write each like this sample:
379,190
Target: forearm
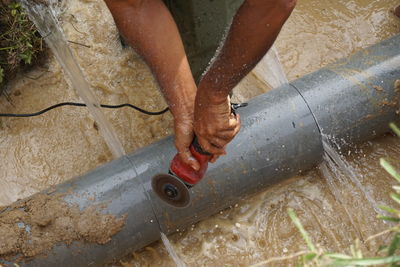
253,31
149,28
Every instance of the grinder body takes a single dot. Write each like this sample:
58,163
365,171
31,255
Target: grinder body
185,172
173,188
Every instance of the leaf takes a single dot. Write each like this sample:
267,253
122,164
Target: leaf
310,256
26,57
390,169
337,256
395,129
389,209
396,187
300,227
394,245
367,261
395,197
387,218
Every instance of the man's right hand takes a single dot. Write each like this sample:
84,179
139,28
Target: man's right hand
183,139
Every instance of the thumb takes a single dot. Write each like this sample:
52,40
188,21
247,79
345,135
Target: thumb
188,159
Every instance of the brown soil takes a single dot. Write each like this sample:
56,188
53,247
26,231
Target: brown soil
34,226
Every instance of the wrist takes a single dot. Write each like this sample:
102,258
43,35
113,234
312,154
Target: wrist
209,96
212,91
183,111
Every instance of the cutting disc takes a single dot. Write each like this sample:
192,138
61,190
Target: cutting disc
171,190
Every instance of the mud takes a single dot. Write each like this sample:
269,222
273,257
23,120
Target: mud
40,152
33,227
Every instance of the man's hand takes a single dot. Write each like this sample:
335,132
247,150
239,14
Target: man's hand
183,139
214,124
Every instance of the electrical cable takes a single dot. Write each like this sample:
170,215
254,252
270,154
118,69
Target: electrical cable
25,115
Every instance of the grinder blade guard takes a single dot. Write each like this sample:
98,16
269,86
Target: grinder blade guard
171,189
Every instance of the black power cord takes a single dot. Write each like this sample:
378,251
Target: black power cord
25,115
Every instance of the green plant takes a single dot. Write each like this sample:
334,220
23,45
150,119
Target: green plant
317,257
20,43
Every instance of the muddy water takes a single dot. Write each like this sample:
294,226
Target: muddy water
47,150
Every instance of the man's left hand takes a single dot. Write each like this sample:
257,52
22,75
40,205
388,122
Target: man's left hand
214,124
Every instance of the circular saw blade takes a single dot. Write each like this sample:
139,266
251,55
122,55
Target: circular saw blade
171,190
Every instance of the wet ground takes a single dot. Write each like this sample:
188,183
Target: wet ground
46,150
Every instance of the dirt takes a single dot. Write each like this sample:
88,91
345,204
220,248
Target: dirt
34,226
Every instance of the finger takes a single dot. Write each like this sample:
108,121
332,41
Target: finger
214,158
232,122
188,159
238,126
218,142
238,119
225,135
185,155
208,147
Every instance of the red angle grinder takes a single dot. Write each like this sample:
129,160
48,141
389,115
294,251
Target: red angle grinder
173,188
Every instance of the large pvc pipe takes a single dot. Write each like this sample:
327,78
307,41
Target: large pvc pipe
351,101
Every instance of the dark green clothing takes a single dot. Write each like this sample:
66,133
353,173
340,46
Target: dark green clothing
202,24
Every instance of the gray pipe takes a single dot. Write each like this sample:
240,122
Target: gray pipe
351,101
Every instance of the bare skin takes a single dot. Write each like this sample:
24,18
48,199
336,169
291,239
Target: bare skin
148,27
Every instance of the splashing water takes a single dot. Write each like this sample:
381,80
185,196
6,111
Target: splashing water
332,156
45,20
330,173
270,70
171,251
